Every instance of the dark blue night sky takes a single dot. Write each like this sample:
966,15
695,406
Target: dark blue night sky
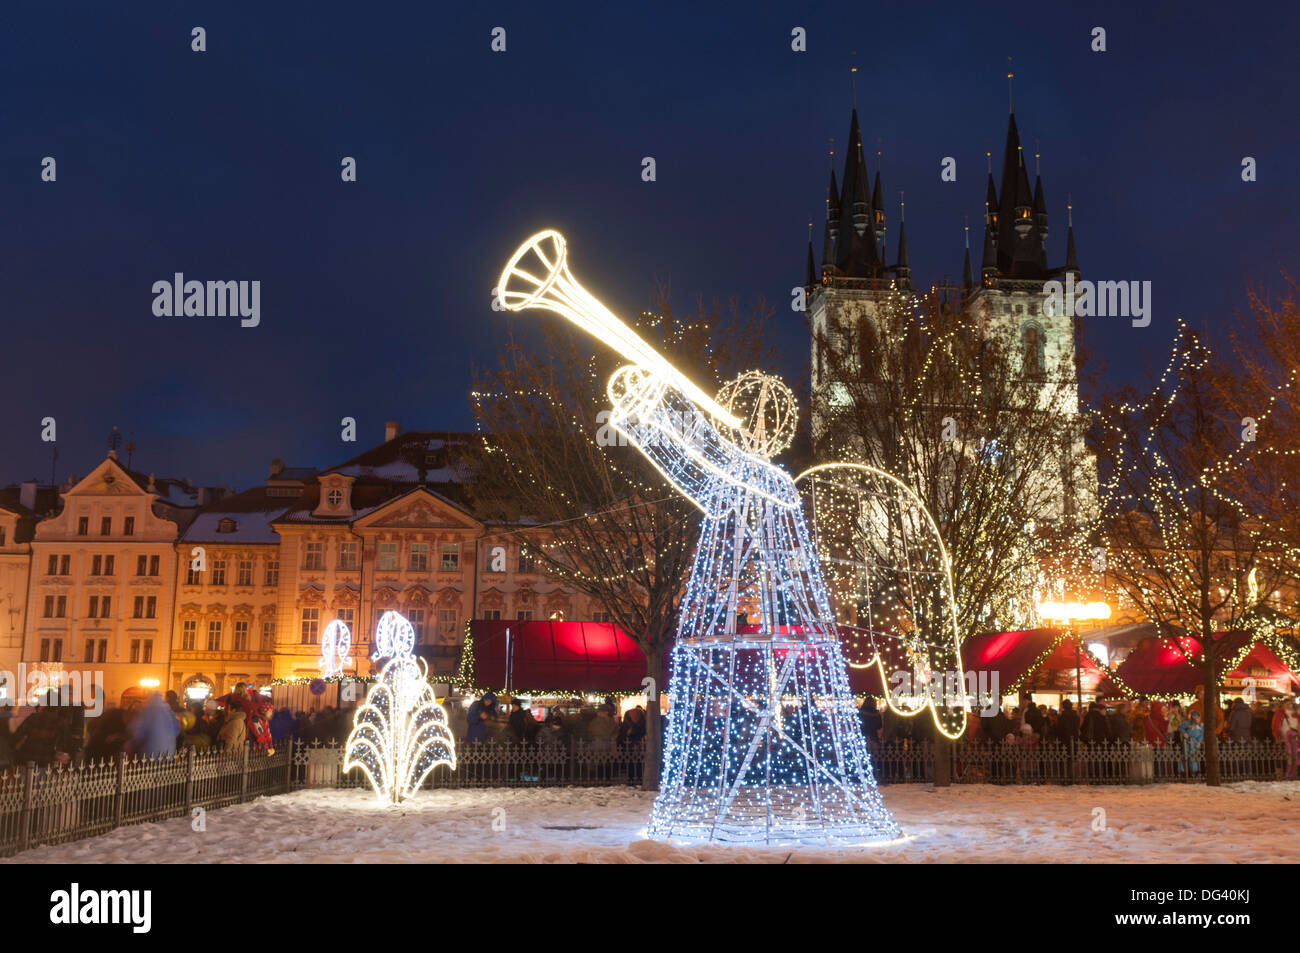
375,295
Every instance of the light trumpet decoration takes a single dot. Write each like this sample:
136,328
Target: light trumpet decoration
555,289
764,744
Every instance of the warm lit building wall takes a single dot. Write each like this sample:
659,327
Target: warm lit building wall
101,588
224,627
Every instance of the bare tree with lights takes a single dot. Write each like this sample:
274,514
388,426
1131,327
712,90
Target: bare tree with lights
1186,545
988,439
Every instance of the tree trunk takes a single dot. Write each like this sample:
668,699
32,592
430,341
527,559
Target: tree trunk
653,730
1210,716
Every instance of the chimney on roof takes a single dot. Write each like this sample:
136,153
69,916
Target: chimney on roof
391,430
27,495
277,467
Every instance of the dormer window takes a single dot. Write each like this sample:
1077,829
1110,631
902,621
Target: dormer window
334,497
226,525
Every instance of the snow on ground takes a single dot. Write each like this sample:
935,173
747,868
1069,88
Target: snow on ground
1247,822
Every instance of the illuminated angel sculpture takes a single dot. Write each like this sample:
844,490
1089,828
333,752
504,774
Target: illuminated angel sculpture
335,649
400,734
764,743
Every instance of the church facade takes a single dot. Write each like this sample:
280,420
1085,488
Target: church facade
860,287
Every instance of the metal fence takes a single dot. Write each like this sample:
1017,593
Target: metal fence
54,805
40,805
1084,763
492,765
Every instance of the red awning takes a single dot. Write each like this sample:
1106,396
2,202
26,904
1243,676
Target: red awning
1008,654
568,657
1162,667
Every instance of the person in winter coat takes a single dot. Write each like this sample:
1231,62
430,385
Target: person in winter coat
45,737
1174,722
479,713
1239,721
109,736
258,729
1193,734
154,729
1287,730
1067,724
1121,729
233,732
1094,728
602,730
6,742
1155,727
283,726
1261,728
517,723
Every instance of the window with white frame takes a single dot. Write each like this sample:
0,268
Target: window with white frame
314,555
348,552
310,634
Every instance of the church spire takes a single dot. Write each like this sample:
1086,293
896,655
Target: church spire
967,279
829,256
855,249
810,272
1071,258
902,270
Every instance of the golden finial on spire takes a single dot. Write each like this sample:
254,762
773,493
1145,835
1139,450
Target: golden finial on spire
1011,93
853,78
900,205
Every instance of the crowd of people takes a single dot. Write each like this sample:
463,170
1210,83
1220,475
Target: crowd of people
509,721
1155,723
598,729
162,727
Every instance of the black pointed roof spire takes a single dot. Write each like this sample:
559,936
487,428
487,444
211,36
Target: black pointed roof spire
990,195
1071,258
902,270
810,273
832,218
967,279
989,262
855,250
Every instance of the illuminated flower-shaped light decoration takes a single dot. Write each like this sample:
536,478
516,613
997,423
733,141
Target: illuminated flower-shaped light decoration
335,649
401,733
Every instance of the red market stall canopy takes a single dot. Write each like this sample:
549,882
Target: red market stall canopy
1013,658
555,657
1161,667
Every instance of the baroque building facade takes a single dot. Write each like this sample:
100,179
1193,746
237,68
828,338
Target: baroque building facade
158,584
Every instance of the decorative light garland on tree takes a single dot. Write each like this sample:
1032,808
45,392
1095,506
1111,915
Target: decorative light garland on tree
400,734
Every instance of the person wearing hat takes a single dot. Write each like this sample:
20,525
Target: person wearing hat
479,712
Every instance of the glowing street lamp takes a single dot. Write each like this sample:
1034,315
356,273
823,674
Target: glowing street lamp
1070,614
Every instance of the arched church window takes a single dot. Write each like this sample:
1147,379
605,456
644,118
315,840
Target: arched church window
1033,344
